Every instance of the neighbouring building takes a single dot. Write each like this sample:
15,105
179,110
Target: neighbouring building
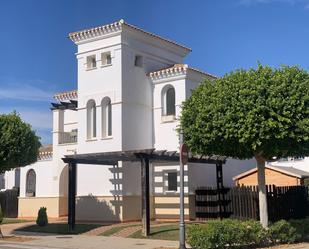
274,175
131,84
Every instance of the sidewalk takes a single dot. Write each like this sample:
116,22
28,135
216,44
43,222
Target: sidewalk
7,229
88,242
51,241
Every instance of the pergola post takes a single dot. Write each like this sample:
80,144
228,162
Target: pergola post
72,196
219,174
145,196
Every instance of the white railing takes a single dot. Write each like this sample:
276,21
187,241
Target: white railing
68,137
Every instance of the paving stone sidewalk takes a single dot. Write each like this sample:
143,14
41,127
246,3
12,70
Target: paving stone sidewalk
87,242
129,229
104,228
8,229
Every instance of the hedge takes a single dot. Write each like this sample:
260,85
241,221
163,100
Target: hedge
230,233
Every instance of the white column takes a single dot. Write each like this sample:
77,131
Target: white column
58,125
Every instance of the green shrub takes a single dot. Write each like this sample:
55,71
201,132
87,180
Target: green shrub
255,233
42,219
302,227
231,233
282,231
227,233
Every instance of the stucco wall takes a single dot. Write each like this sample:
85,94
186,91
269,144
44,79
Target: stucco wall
104,81
29,206
44,179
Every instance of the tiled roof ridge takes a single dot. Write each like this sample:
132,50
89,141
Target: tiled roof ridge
66,95
113,27
45,152
175,70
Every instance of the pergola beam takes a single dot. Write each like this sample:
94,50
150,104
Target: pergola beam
72,105
109,158
145,157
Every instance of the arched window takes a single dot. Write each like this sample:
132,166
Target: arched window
91,119
106,117
30,183
168,100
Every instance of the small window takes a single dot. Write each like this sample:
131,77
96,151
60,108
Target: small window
17,177
106,59
138,62
91,62
30,183
91,119
172,181
106,117
168,101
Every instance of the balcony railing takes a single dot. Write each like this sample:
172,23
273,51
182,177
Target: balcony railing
68,137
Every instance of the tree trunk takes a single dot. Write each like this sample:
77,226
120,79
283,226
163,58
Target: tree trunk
262,191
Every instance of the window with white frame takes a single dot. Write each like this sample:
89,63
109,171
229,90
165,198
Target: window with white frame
30,183
91,62
106,58
106,117
91,119
171,181
168,101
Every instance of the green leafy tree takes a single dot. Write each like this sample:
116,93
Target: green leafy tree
19,144
259,113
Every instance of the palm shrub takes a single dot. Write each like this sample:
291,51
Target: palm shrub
42,219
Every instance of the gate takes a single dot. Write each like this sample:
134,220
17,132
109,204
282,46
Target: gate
9,202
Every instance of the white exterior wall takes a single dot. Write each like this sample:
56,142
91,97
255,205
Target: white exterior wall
96,84
136,104
9,179
165,135
44,179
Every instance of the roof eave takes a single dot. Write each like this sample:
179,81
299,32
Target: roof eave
88,34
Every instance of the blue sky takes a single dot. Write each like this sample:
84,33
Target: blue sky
37,58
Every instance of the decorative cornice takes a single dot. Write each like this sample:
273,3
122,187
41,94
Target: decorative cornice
69,95
176,70
113,28
45,152
94,32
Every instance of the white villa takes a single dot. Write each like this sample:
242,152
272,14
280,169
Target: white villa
131,84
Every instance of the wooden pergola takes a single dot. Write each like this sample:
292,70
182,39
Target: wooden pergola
145,157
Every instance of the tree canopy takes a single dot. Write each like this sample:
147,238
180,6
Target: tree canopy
18,142
262,111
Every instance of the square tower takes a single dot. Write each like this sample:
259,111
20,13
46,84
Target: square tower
115,93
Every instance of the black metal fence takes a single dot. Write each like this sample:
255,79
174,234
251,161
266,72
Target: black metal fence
9,202
289,202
